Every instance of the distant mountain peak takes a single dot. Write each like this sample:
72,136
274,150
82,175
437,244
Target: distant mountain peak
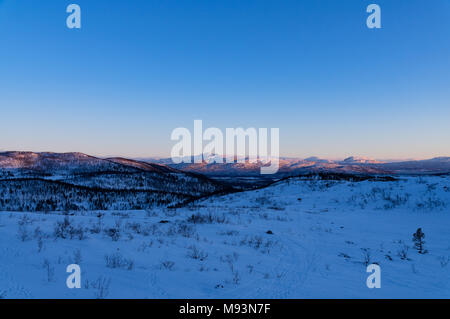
312,159
441,159
316,159
360,160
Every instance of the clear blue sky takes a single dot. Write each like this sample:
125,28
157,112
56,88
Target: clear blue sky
138,69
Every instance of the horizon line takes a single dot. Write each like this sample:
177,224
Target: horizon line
147,157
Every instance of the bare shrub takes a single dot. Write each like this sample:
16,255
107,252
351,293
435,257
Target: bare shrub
167,264
250,268
61,228
152,229
102,287
182,229
114,233
49,270
40,244
402,252
206,219
229,233
23,233
276,207
77,231
134,226
444,260
258,243
431,203
97,227
24,220
39,235
195,253
230,260
65,230
116,260
150,213
394,201
235,277
344,255
366,256
77,258
265,200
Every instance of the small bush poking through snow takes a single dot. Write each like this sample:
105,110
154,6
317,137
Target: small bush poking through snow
366,256
61,228
134,226
258,243
114,233
102,287
195,253
167,264
22,233
49,270
182,229
65,230
403,252
116,260
77,257
444,260
206,219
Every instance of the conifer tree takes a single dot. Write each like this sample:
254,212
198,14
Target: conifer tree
418,239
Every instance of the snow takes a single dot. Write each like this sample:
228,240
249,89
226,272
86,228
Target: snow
320,229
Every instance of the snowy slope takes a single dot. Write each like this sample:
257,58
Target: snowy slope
219,247
62,181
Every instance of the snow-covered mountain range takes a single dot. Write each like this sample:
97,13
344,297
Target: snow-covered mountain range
26,163
295,166
75,181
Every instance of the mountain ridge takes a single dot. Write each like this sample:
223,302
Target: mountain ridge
351,164
77,181
76,162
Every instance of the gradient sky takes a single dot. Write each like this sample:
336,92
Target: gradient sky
138,69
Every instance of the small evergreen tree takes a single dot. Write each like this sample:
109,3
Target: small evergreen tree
418,239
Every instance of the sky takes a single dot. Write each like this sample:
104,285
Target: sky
136,70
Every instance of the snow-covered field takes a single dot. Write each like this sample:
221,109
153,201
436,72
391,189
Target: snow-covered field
295,239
